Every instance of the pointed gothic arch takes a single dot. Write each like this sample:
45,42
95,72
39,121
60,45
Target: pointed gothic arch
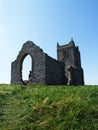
26,67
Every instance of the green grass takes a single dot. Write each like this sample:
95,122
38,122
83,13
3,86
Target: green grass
40,107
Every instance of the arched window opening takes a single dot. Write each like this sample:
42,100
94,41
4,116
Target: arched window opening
26,69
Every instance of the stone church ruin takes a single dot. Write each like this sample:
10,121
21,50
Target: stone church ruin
47,70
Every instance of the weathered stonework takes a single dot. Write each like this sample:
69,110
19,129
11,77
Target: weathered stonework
54,71
69,55
46,70
38,64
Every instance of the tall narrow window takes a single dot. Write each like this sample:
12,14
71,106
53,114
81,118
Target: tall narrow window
26,68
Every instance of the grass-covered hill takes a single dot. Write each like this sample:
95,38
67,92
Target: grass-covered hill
40,107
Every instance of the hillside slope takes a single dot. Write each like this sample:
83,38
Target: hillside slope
41,107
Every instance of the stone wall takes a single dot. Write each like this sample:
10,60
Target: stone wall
75,76
45,70
38,64
55,73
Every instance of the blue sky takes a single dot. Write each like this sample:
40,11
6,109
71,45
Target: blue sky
46,22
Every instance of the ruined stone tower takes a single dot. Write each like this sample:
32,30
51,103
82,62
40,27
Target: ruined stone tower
47,70
69,55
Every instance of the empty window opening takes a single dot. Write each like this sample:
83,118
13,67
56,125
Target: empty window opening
26,69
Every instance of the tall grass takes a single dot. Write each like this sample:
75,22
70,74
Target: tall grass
40,107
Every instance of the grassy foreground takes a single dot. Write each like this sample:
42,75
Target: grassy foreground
41,107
